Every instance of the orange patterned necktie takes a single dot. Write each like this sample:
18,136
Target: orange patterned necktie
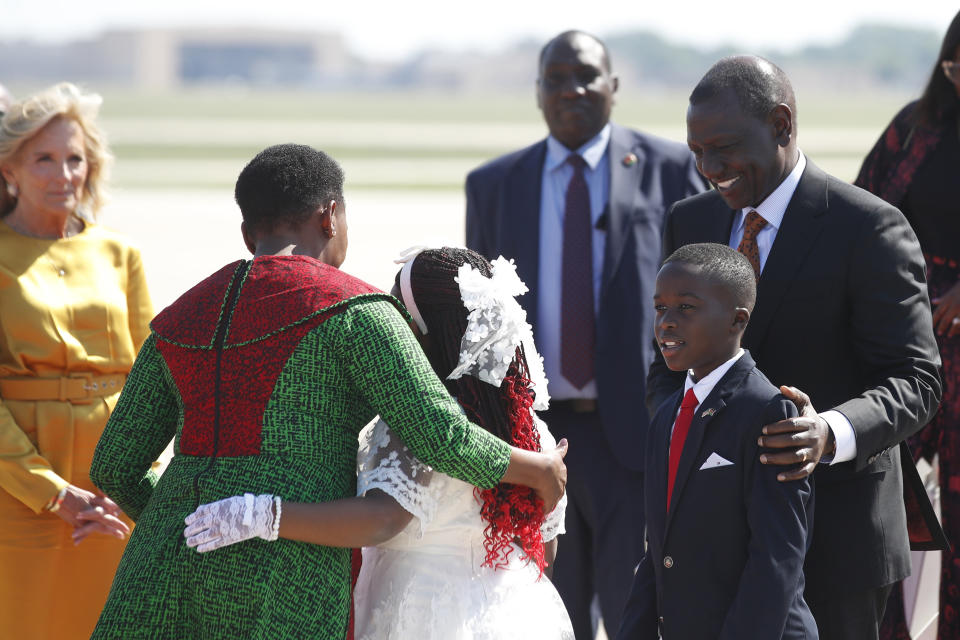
748,246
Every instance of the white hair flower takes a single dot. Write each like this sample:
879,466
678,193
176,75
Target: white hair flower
496,326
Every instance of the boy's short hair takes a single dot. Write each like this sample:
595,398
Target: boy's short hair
724,266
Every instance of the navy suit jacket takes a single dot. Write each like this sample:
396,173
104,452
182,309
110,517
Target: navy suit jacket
726,560
842,313
503,218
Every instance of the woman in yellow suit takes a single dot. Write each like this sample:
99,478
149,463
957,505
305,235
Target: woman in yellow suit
74,310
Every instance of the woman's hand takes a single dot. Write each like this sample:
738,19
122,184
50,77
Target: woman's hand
946,312
543,472
96,521
90,513
556,481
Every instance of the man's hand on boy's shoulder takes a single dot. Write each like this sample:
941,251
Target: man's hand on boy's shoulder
804,439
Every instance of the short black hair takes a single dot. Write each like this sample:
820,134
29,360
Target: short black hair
758,84
284,184
723,266
568,36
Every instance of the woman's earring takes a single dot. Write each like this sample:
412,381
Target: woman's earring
12,190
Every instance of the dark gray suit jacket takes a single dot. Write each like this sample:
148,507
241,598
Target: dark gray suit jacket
842,313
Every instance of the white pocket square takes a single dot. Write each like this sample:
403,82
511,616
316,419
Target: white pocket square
715,460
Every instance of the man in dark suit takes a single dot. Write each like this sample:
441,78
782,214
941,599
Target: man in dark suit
585,234
842,312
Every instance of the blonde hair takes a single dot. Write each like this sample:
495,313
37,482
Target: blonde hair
25,118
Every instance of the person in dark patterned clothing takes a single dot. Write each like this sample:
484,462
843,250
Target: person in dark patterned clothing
264,374
915,165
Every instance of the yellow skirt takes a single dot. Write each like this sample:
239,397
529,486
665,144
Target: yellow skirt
49,588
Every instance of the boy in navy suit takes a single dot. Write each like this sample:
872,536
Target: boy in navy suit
725,540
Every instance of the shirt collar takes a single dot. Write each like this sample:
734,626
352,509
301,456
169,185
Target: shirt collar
591,151
775,205
705,385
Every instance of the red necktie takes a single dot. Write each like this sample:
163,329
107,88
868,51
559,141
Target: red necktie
680,429
576,297
748,246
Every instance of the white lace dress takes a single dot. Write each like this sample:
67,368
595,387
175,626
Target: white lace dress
426,583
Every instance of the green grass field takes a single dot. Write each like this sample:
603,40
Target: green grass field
410,141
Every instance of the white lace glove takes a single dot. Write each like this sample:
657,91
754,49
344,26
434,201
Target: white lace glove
224,522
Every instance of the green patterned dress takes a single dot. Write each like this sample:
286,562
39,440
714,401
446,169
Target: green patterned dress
264,374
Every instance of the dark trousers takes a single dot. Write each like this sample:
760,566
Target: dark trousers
604,522
849,615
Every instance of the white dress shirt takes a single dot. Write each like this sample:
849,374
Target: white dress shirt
703,386
556,175
772,209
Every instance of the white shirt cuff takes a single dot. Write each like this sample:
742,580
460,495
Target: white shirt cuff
843,435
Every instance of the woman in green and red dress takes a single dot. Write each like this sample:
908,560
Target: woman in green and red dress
264,374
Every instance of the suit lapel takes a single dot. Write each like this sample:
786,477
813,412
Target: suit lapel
713,227
708,411
520,226
657,472
624,193
802,223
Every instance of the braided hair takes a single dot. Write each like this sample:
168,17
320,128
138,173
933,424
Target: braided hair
512,512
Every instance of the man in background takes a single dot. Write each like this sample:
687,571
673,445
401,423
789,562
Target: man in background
581,214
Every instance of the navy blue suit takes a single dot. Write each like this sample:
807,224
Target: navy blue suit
726,560
503,218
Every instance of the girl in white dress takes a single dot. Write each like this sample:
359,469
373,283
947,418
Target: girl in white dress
442,559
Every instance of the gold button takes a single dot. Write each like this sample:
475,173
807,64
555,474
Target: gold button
667,562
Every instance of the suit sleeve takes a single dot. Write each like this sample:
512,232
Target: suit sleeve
140,427
780,516
639,621
661,381
892,333
388,368
478,230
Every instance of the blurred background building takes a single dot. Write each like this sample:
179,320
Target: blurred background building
870,56
168,59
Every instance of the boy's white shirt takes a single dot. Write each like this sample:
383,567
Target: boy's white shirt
705,385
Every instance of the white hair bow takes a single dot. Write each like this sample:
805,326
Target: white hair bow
496,326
